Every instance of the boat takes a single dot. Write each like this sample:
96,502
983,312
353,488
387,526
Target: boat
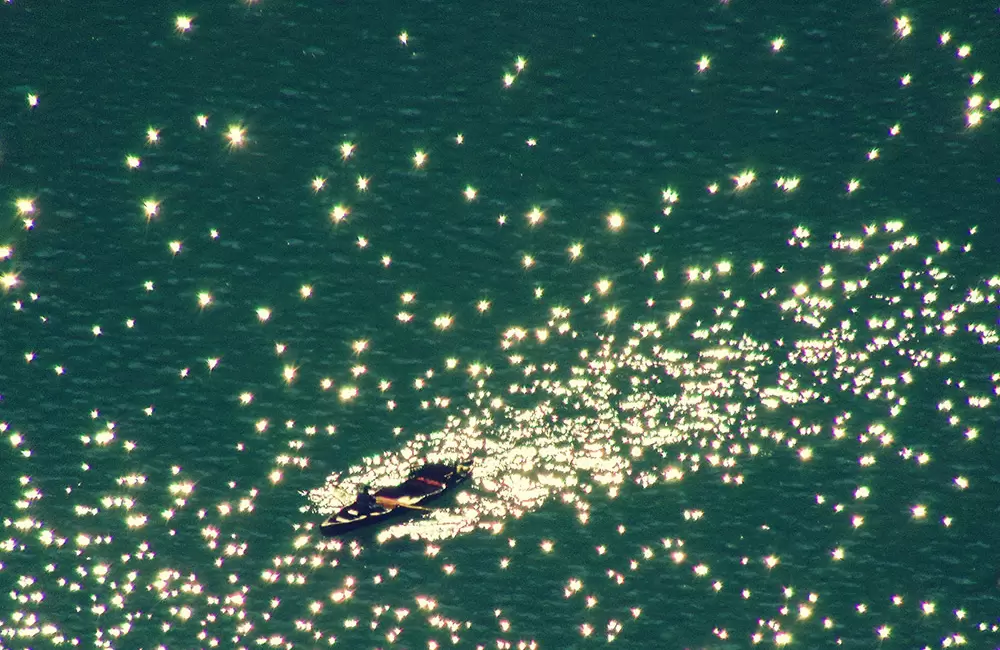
423,485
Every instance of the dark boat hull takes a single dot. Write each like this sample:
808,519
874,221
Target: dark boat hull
424,485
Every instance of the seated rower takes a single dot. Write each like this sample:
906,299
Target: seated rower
366,501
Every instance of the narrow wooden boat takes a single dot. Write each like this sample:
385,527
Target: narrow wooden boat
423,485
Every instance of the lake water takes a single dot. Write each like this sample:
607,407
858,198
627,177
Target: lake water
708,292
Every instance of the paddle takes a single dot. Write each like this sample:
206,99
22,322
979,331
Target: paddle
392,503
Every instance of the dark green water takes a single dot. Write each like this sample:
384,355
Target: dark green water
830,409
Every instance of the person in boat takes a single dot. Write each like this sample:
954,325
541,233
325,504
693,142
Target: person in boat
366,501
